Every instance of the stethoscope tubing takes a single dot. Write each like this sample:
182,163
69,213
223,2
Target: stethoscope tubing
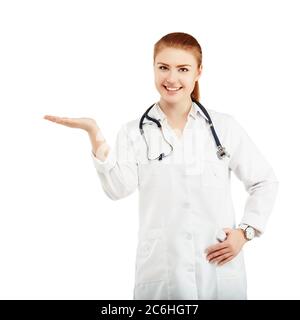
221,152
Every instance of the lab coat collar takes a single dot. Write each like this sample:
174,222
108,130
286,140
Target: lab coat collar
157,113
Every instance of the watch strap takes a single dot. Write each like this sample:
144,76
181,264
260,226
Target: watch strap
243,226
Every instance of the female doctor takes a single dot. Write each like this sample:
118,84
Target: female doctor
180,157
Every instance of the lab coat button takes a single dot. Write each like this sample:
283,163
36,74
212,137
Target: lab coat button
145,249
188,236
186,205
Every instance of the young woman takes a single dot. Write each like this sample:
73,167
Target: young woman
180,157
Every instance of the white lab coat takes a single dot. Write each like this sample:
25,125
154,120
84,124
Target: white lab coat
185,199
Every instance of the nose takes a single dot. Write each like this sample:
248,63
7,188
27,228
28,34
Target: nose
171,77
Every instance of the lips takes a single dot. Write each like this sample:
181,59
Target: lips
172,89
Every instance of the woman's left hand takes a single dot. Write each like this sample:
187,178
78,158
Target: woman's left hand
225,251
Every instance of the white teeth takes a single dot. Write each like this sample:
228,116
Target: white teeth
172,89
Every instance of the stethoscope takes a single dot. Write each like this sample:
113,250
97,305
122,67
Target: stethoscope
221,152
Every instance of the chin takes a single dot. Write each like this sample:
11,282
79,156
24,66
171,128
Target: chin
173,98
176,96
170,99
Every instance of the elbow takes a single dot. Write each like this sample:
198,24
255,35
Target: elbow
273,182
264,185
120,193
268,180
118,184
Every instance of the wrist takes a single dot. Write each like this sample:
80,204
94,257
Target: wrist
242,235
248,231
93,129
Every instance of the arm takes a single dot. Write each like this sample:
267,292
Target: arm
260,182
258,177
100,148
117,167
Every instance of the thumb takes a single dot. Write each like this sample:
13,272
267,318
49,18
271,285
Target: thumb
227,230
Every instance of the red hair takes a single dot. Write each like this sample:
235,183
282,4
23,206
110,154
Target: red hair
185,41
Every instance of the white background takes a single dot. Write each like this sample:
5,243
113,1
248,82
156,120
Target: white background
61,237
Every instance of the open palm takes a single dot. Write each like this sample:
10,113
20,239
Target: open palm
81,123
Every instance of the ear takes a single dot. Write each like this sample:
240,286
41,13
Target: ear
199,72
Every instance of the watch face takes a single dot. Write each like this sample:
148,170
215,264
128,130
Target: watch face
250,233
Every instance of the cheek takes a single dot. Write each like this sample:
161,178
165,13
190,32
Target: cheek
190,82
158,84
186,81
159,79
190,85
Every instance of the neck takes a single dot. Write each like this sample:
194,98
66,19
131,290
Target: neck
176,111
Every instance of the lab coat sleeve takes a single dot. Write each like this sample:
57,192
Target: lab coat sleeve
118,172
258,177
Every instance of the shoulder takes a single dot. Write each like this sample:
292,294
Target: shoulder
131,130
222,120
132,126
227,126
219,116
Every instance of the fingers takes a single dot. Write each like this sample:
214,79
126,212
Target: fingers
55,119
51,118
227,230
222,257
220,253
61,120
210,257
216,247
226,260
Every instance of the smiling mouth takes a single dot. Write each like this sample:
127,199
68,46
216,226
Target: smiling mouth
170,89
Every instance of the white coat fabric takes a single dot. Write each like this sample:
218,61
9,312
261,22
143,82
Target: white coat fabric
185,199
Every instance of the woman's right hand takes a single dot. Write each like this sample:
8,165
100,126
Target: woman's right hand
99,146
86,124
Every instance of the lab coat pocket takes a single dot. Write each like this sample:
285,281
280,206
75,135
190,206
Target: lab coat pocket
231,279
215,174
151,257
151,267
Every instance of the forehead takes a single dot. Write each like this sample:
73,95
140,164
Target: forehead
174,56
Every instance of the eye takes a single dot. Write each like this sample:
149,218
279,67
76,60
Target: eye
160,67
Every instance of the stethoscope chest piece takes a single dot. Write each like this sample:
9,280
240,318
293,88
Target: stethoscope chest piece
161,156
222,153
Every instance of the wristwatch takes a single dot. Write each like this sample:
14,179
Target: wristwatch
249,232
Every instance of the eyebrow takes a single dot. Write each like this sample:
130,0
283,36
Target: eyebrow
180,65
